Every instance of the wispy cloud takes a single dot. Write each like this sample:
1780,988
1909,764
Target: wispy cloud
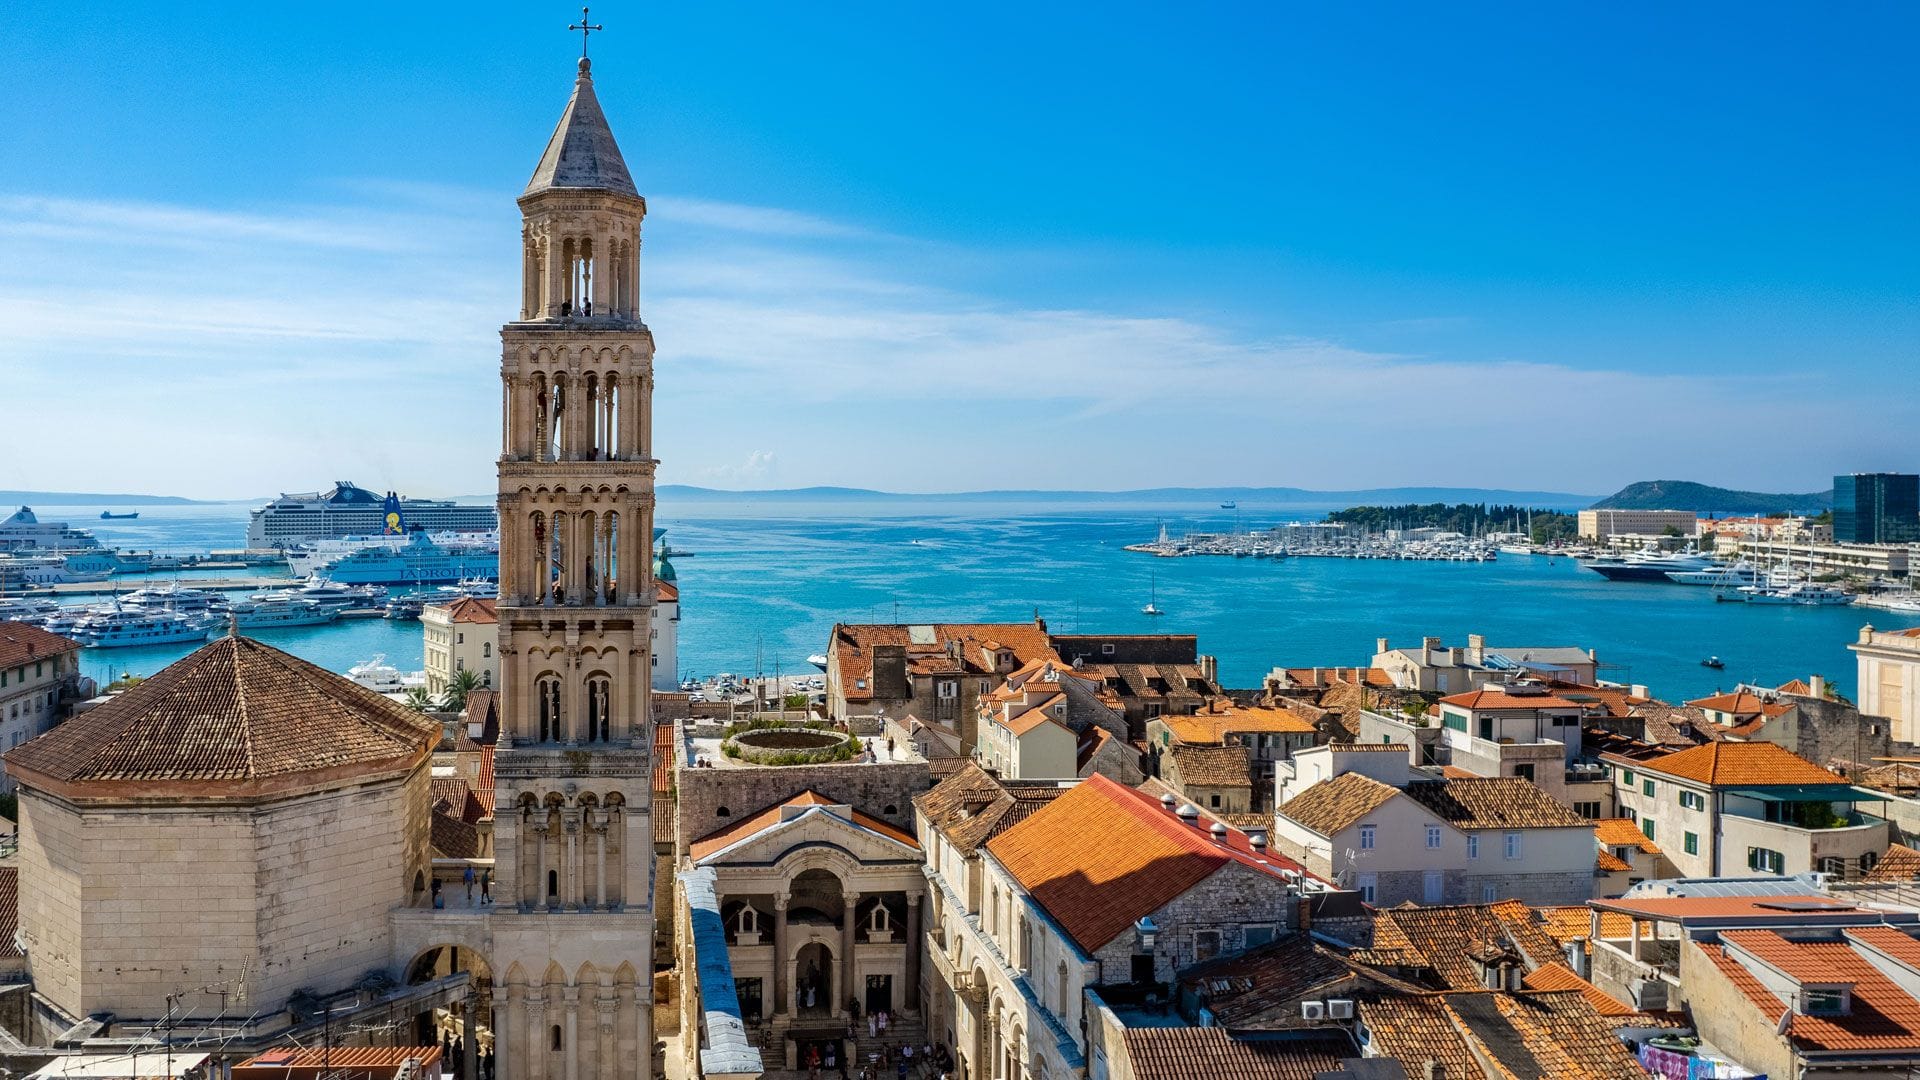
261,347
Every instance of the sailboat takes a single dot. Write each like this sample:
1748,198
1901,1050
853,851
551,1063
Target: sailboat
1153,594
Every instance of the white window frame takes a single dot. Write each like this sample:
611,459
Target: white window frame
1367,837
1433,837
1510,845
1473,846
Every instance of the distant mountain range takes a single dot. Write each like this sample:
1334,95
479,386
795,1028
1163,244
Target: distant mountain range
1706,499
86,498
1251,495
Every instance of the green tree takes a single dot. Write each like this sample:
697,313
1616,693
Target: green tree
419,700
464,682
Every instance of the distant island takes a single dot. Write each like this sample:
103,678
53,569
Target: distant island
1706,499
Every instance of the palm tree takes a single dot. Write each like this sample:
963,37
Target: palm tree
464,682
419,700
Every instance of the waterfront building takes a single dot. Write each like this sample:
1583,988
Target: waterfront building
1804,557
460,636
1362,816
349,510
1521,729
1436,668
1729,808
39,681
1604,524
1876,508
1889,679
1783,529
665,654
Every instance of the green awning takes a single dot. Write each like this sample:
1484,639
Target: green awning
1810,793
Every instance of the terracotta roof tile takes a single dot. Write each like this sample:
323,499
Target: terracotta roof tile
1145,856
1211,726
1900,863
22,643
740,830
1212,766
1883,1017
1558,976
1182,1053
483,786
1568,921
1444,939
1494,802
1520,1036
853,644
452,796
1332,805
971,807
1620,832
1258,988
232,712
1324,677
1500,699
1742,703
453,838
472,609
665,592
1608,863
1745,764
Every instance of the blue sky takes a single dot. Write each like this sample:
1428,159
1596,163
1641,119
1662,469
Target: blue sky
919,247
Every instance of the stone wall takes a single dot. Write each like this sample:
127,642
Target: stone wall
1534,889
884,790
1227,902
1727,1018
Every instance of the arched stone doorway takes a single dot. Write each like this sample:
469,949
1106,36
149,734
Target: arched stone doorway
462,1028
813,982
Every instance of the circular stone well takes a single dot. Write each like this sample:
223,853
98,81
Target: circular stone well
763,746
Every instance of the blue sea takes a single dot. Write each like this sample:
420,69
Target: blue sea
768,577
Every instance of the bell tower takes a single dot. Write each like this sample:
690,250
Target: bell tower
572,926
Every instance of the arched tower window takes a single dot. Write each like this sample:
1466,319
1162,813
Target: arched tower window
599,709
542,418
547,690
557,554
596,418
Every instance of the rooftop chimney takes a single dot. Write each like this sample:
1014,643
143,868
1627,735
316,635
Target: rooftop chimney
1379,645
1476,649
1817,685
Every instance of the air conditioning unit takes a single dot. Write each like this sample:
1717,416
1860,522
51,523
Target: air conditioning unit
1340,1009
1289,875
1313,1010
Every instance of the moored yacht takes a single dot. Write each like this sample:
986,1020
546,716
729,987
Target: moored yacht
1650,565
1731,575
282,609
122,627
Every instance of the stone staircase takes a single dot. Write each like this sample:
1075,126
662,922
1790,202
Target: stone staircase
902,1030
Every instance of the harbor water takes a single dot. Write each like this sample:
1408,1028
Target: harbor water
767,578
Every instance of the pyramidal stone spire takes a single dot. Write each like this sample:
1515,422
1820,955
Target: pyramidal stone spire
582,153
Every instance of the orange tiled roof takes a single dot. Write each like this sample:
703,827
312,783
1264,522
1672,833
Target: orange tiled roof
1212,766
970,807
1495,802
1146,856
1789,907
740,830
1500,699
1323,677
1742,703
1041,713
1444,938
473,609
1332,805
1501,1036
1212,725
483,785
1900,863
9,912
234,717
1619,832
1558,976
1883,1017
21,643
1181,1053
665,592
853,645
662,758
1567,921
1607,863
1746,764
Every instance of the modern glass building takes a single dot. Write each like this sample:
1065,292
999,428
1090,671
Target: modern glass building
1876,508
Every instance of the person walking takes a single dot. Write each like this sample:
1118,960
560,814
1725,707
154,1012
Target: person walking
486,885
466,876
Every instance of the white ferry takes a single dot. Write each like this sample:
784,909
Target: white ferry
25,532
349,510
420,562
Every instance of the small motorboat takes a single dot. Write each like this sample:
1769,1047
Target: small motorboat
1713,662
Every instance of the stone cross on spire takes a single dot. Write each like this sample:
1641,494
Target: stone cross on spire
586,31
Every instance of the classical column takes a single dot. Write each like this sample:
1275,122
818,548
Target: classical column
914,945
470,1036
603,274
600,863
849,914
572,995
780,954
570,876
604,1008
537,1043
642,994
508,1037
540,887
556,273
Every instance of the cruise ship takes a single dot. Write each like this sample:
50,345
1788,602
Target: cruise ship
349,510
419,562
